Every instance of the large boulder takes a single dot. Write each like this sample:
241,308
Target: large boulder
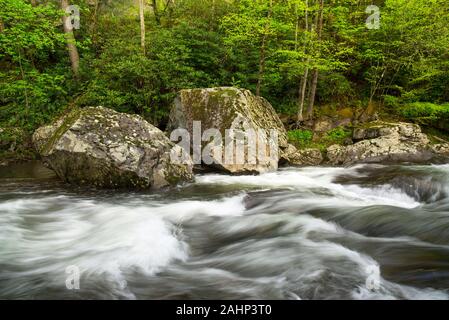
103,148
383,142
228,108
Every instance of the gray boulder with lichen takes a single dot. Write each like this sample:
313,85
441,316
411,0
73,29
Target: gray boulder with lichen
103,148
386,142
220,108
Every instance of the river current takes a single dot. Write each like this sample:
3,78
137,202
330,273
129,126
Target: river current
361,232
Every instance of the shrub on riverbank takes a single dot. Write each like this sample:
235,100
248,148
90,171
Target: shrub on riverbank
15,144
427,114
303,139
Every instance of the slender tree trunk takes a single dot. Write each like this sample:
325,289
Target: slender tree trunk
302,93
22,72
370,108
156,12
93,28
263,51
33,3
303,82
315,70
142,24
214,15
312,94
70,37
169,7
296,27
376,86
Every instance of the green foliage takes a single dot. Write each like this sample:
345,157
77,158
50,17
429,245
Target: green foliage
391,102
335,87
427,113
425,110
305,138
407,56
300,138
206,43
32,86
15,144
182,56
336,136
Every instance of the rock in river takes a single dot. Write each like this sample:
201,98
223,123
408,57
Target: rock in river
303,157
227,108
103,148
384,142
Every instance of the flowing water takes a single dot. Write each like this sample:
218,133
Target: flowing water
364,232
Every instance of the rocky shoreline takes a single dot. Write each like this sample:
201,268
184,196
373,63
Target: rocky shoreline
100,147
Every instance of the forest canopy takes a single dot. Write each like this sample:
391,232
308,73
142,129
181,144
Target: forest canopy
304,56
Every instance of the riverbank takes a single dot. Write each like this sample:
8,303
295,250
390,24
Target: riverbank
334,137
312,146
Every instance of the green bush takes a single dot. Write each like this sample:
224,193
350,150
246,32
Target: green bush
300,138
336,136
424,110
15,144
428,114
391,102
304,138
33,88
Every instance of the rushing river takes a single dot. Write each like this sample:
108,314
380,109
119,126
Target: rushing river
364,232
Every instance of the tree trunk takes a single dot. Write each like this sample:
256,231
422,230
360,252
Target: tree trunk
315,70
169,7
156,12
296,27
303,82
312,95
71,43
93,28
142,24
33,3
263,51
22,72
302,93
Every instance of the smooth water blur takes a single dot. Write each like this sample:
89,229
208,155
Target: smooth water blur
365,232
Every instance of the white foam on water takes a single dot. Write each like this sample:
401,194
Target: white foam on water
304,177
185,210
97,238
42,236
319,178
405,292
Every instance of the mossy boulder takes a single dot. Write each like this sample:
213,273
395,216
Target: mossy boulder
220,108
100,147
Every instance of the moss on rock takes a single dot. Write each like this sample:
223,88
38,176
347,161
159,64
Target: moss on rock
100,147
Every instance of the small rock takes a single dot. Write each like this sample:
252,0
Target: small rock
323,125
441,149
304,157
